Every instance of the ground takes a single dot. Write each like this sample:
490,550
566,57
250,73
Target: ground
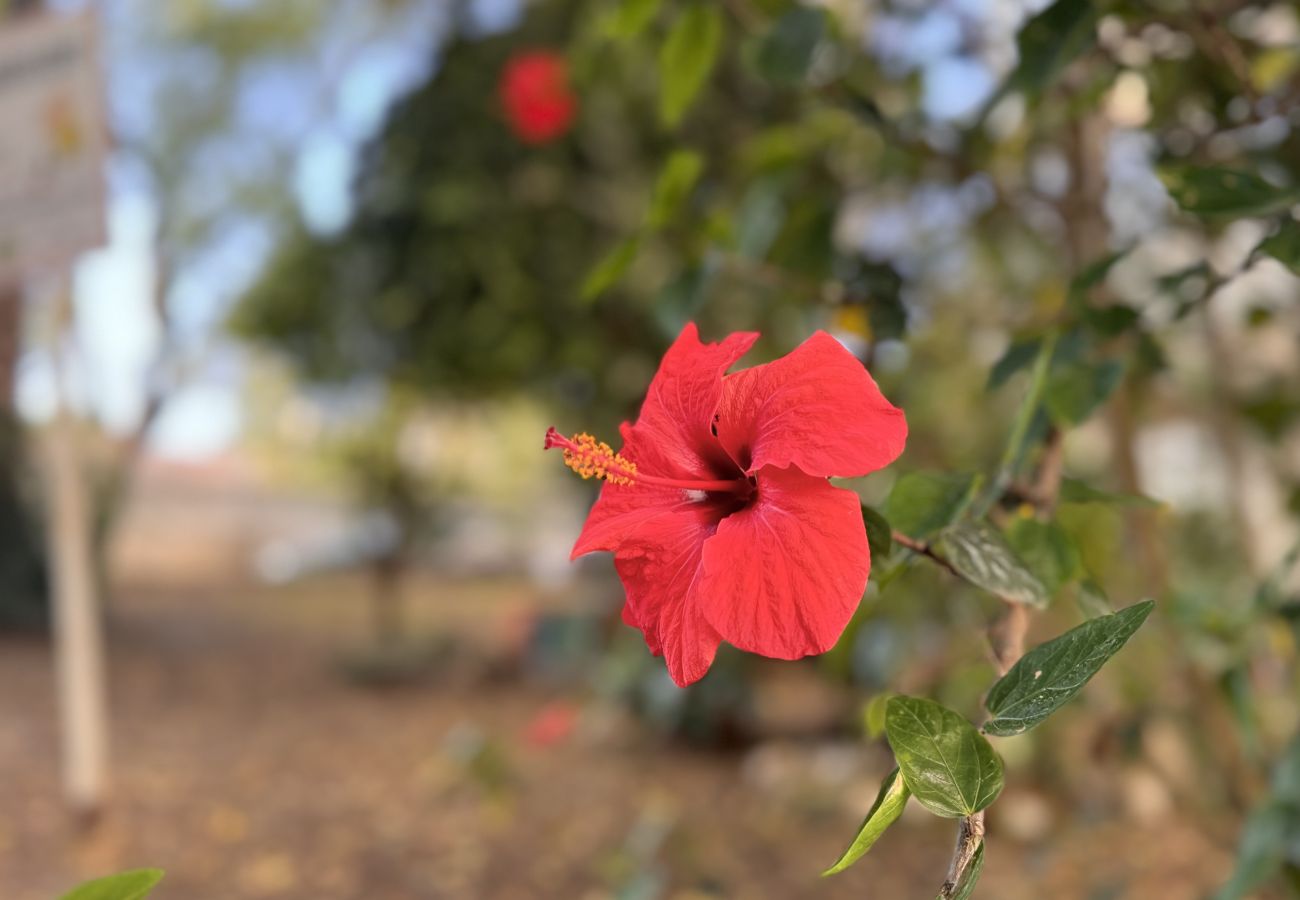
246,766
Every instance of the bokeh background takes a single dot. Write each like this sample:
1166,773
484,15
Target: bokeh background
343,292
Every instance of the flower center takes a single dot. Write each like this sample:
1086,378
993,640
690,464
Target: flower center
596,459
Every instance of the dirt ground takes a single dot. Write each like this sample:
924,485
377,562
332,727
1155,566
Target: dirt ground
247,767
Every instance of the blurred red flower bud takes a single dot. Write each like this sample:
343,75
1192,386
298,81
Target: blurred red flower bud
535,93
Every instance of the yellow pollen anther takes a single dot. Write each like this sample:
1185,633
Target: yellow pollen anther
596,459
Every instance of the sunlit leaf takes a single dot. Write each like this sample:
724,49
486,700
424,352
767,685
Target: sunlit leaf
948,766
132,885
1048,676
687,58
981,554
612,267
887,808
922,503
632,17
676,179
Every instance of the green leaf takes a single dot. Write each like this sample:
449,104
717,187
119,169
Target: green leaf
687,58
948,766
676,179
981,555
132,885
1075,491
632,17
1284,245
1050,41
787,50
873,714
1047,677
968,878
1072,395
1018,356
887,808
1216,191
612,267
1092,600
880,537
922,503
1047,551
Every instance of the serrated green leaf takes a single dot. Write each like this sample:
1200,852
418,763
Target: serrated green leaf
787,50
676,180
948,766
1046,550
884,812
1072,395
981,554
687,58
1075,491
1284,245
922,503
1047,677
612,267
1219,192
132,885
968,878
880,536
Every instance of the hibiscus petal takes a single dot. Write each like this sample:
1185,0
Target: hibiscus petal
817,408
673,435
783,576
660,570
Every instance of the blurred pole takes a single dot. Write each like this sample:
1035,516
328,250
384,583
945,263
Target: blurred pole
11,306
78,624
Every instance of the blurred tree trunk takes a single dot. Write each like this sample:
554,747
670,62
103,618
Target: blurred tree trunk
388,601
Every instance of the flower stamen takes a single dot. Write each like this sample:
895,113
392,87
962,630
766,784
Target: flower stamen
596,459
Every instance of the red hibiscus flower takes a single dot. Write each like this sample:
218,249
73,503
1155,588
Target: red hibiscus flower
717,509
535,93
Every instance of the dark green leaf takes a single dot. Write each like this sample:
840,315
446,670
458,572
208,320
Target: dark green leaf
880,538
1047,551
1048,676
132,885
887,808
606,273
1073,394
1050,41
922,503
787,50
968,878
980,553
1112,320
1094,274
948,766
1018,356
1284,245
1075,491
676,179
687,58
1272,828
1215,191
